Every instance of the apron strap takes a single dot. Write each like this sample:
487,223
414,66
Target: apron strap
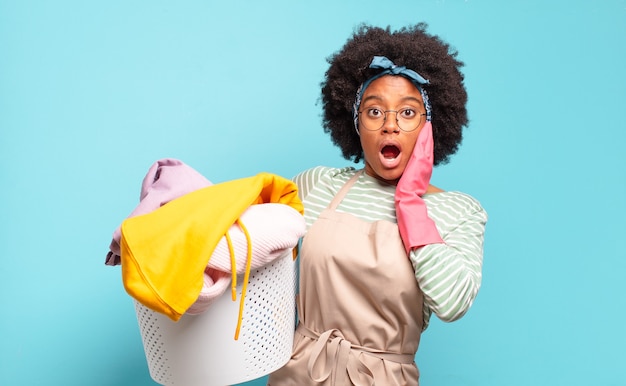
344,190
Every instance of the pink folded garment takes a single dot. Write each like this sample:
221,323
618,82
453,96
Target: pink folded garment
215,284
273,229
166,180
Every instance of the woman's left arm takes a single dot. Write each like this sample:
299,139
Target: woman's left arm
450,274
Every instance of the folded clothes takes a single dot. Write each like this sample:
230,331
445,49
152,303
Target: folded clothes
187,239
166,180
273,230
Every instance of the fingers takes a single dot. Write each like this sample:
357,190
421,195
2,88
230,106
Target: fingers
416,176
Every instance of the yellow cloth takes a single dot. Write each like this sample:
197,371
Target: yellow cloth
164,253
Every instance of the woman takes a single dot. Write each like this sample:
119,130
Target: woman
384,249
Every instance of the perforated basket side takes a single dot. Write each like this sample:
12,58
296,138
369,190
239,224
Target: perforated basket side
201,350
269,317
156,354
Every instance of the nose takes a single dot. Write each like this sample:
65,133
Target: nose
390,125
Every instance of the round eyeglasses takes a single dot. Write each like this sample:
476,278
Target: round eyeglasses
408,120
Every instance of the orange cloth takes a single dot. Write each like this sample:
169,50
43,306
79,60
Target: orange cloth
164,252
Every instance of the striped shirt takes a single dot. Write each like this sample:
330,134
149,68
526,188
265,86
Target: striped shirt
448,274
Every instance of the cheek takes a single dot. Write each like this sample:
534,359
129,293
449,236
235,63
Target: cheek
368,145
409,142
409,148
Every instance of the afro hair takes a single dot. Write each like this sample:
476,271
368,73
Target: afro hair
413,48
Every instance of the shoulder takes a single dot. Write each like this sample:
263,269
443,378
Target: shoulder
457,204
321,175
318,172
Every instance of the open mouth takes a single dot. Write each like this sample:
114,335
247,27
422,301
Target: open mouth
390,152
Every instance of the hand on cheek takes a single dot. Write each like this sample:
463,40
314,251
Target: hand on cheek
416,228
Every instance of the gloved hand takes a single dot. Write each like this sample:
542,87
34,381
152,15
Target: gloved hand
416,228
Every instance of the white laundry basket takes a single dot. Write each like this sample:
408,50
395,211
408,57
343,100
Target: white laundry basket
200,350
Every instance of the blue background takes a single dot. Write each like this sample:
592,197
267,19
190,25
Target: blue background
92,93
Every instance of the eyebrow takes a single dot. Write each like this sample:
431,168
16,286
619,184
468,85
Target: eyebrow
404,99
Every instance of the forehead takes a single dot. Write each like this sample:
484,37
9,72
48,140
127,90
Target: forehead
392,88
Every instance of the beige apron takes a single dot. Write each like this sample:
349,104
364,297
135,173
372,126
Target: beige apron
360,305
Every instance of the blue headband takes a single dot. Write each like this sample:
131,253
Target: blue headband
389,68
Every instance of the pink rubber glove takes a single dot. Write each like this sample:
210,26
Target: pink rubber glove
416,228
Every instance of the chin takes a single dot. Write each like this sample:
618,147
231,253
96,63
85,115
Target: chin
390,177
387,175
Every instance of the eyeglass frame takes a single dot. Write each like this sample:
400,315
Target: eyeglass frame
397,120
